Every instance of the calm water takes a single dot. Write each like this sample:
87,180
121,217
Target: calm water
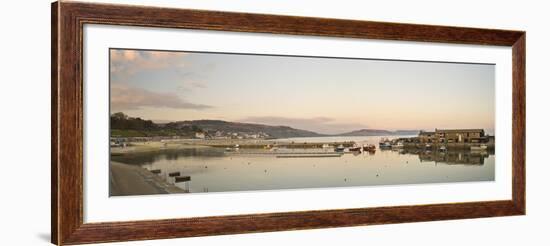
213,170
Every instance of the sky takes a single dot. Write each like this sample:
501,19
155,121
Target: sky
325,95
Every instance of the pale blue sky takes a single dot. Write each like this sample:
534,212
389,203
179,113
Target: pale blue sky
327,95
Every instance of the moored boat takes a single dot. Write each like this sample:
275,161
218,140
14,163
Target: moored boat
397,145
369,147
384,143
355,149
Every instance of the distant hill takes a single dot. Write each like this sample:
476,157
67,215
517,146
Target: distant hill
407,132
125,126
212,126
378,132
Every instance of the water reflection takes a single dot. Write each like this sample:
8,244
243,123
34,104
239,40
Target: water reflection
167,154
215,170
452,157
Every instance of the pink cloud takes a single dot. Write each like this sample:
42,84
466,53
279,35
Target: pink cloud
124,97
128,62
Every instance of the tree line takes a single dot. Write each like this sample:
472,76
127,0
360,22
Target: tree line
123,122
124,126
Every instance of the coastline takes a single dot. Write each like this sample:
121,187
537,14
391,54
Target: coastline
151,146
127,180
173,144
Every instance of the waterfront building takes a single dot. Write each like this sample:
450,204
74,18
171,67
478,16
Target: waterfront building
450,138
445,136
426,137
460,136
200,135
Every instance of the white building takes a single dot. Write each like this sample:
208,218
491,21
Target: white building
200,135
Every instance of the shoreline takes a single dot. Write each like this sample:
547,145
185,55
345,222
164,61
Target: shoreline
151,146
127,180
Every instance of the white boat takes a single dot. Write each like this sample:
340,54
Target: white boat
398,145
384,143
442,148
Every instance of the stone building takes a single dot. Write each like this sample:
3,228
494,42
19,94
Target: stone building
450,139
440,136
460,136
426,137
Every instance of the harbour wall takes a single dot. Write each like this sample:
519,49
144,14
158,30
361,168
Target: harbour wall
490,145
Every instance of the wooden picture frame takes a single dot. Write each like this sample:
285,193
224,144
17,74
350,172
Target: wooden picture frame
68,20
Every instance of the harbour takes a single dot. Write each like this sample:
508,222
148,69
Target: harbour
202,168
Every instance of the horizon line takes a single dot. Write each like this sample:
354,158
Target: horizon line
345,132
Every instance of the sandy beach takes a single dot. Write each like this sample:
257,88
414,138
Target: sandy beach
127,180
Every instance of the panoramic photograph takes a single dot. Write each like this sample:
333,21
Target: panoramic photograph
200,122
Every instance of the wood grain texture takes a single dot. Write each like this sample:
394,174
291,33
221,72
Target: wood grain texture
518,123
68,19
157,229
67,123
54,124
260,23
